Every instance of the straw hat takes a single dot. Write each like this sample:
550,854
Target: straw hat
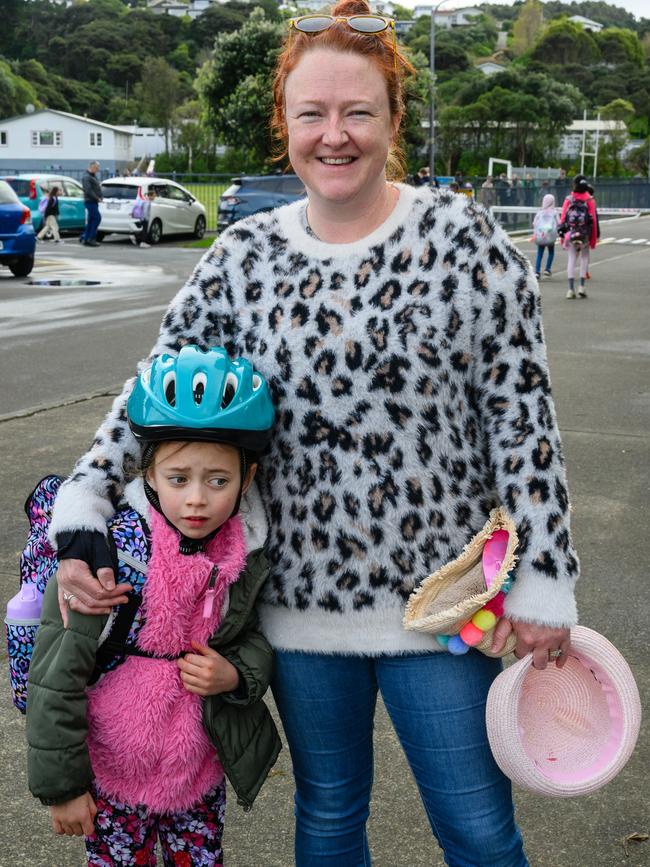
565,731
447,600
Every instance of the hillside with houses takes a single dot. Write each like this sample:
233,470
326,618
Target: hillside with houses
187,82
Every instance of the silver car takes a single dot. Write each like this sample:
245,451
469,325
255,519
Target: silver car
174,211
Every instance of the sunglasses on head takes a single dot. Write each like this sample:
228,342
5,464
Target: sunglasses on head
366,24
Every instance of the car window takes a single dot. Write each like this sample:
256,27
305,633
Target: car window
266,185
176,194
19,186
7,194
73,190
292,186
161,190
119,191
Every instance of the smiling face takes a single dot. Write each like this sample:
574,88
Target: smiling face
339,126
197,484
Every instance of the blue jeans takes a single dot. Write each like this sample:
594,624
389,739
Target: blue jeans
436,702
540,256
93,219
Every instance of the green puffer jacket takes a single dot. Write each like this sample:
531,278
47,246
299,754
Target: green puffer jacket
239,724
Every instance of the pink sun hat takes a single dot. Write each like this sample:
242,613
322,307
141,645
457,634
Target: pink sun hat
565,731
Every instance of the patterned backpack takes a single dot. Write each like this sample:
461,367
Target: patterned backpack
577,221
38,563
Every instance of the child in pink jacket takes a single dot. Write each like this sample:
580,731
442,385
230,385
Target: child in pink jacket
579,230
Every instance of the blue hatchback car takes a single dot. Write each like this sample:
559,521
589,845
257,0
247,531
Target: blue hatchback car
30,189
17,238
253,193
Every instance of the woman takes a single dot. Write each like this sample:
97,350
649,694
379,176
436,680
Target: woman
399,330
50,214
579,231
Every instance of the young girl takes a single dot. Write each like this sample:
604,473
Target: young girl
50,214
545,227
579,230
142,752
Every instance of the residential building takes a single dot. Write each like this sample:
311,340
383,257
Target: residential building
49,140
448,18
571,141
489,67
586,23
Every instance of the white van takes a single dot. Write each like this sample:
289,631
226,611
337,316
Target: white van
174,211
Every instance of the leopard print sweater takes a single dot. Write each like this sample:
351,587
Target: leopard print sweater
410,377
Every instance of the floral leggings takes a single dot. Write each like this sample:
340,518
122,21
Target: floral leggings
126,835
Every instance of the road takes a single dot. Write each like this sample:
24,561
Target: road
60,343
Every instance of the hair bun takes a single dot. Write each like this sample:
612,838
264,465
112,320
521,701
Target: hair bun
346,8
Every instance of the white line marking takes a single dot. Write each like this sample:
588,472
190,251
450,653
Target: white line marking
611,259
606,241
623,240
640,241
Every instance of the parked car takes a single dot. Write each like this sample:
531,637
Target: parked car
30,189
174,211
253,193
17,238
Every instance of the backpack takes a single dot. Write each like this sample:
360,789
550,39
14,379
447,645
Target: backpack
42,205
577,221
545,233
137,211
38,563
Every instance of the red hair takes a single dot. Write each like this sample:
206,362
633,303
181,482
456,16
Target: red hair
392,64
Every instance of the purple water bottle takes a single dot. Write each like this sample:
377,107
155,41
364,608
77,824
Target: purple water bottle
21,622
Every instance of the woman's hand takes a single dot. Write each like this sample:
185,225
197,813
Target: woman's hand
80,590
535,638
207,672
75,818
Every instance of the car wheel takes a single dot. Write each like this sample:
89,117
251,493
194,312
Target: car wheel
100,236
155,232
199,228
22,267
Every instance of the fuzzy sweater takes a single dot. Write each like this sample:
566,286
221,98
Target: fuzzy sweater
410,377
146,739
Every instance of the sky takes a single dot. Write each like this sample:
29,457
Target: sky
640,8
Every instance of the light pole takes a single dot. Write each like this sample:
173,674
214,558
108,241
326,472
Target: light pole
432,109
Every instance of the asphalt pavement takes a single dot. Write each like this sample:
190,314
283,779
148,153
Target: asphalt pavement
65,350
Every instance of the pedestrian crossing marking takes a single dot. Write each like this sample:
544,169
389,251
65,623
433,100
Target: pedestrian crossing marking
640,241
606,241
624,240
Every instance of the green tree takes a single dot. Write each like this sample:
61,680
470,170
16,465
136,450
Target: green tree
159,94
564,42
15,92
527,27
620,110
620,46
234,86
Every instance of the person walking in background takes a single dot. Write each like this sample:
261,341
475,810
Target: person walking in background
92,197
50,214
488,195
142,212
579,232
545,225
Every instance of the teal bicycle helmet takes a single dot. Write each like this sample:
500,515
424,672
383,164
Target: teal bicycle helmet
202,396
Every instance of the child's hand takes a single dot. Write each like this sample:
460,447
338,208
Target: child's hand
207,672
75,818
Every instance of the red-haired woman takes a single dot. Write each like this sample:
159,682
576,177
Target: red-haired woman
399,329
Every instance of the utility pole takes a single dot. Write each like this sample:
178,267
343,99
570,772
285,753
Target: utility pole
432,94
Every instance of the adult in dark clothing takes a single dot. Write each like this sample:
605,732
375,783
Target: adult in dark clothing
92,198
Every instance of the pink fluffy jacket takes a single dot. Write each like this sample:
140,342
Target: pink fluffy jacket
146,738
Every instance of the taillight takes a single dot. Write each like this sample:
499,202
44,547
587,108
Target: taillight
231,200
32,189
26,217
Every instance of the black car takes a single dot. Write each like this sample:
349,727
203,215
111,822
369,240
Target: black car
253,193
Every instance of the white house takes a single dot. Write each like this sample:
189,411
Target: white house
147,141
489,67
448,18
571,141
586,23
50,140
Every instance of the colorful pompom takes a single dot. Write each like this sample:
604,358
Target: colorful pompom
457,646
471,634
484,619
495,605
443,640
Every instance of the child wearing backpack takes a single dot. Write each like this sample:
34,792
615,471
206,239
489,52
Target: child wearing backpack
136,747
545,225
142,213
579,232
49,208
